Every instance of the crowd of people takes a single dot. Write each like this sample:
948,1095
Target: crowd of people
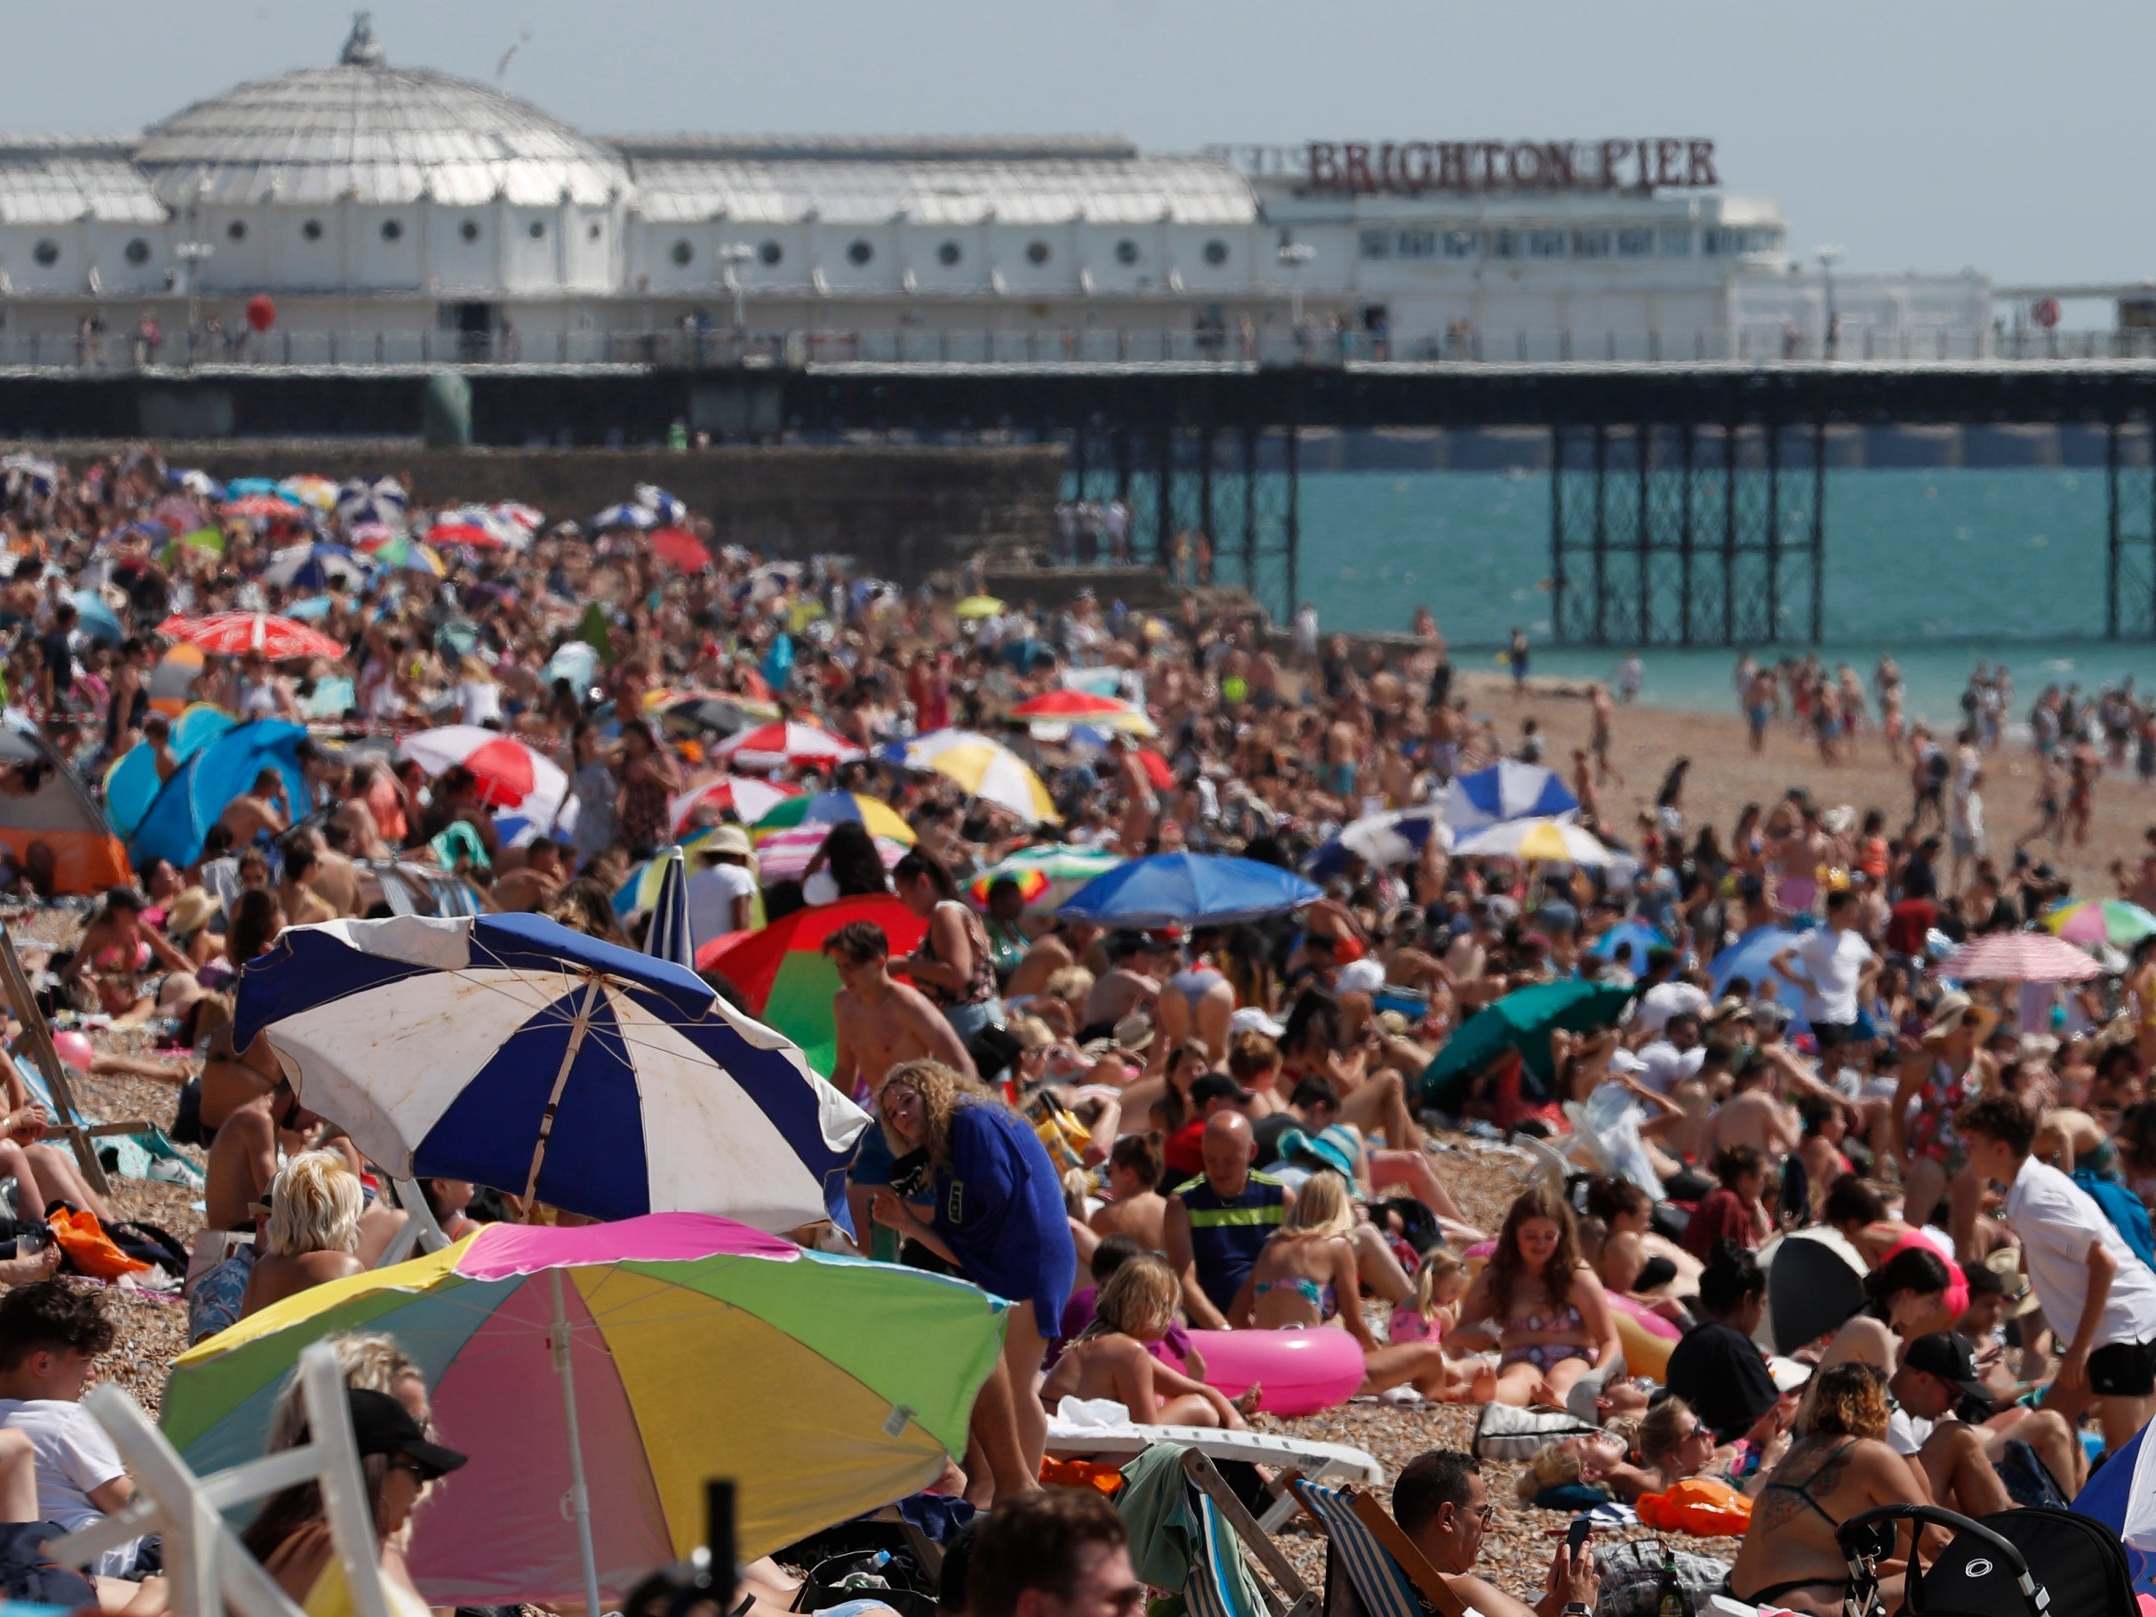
1133,1133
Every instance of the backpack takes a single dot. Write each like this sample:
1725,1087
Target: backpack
1632,1577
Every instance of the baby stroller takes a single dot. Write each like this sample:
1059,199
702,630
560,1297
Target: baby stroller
2018,1563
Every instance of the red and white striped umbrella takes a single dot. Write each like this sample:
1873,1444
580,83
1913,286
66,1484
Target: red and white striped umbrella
776,746
510,774
233,634
2019,957
749,799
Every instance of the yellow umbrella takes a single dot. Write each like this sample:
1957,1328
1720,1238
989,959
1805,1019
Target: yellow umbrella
987,769
975,607
829,808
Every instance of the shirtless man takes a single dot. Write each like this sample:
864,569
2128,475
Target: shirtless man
1065,944
1131,982
533,884
1138,1209
1754,1115
880,1022
302,905
243,1158
262,809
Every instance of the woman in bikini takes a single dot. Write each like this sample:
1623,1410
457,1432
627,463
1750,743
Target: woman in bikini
1307,1275
1838,1467
1553,1319
954,965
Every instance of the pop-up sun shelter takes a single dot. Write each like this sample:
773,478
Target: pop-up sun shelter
42,801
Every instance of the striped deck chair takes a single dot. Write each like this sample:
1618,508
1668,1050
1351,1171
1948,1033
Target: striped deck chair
1221,1581
1373,1568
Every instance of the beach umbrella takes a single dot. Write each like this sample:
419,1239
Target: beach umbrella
600,1375
785,855
2100,920
2121,1494
829,809
95,618
616,517
1752,958
1638,934
976,607
785,977
462,531
314,567
639,894
176,513
1815,1284
744,796
668,936
784,745
233,634
577,661
670,509
1523,1020
263,508
689,712
381,499
1189,889
526,519
510,775
511,1051
681,549
1394,838
307,489
1082,707
404,554
2019,957
984,769
1506,791
1027,655
1047,874
1533,841
173,677
190,481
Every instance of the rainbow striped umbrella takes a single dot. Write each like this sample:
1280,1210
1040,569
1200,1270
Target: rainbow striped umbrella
1046,875
2100,920
614,1368
830,808
408,555
783,974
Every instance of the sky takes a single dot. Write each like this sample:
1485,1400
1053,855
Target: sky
1914,134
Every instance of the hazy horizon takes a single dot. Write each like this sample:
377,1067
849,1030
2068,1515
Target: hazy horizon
1912,136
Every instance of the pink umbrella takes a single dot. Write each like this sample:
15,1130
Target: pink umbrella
776,746
510,774
750,799
2019,957
784,855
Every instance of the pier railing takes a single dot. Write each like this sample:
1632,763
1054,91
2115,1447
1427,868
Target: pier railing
678,347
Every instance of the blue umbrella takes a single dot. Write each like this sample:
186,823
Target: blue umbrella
668,936
511,1051
1506,791
1194,889
1752,957
95,619
1638,934
670,509
624,516
240,487
2105,1498
315,567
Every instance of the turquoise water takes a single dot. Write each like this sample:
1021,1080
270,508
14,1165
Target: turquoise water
1943,568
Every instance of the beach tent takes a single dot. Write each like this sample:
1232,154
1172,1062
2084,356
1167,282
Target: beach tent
57,811
180,816
131,783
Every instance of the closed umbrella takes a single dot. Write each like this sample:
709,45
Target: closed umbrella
1506,791
1191,889
2019,957
510,1051
1815,1284
600,1375
668,936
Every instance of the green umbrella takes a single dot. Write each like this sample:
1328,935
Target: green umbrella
1520,1021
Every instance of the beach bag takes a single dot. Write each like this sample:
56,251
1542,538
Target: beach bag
89,1250
28,1573
1065,1137
1632,1577
1700,1505
1504,1432
151,1245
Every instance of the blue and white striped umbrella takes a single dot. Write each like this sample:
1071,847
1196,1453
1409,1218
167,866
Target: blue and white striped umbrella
511,1051
624,516
315,567
1506,791
668,936
670,509
381,499
1393,838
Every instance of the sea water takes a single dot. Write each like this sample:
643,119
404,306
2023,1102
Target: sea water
1945,569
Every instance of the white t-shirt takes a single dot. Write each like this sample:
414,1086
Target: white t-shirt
1666,1000
1667,1066
1834,961
2057,1220
711,893
73,1455
1906,1433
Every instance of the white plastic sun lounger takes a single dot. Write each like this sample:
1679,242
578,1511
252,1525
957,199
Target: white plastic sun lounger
1308,1457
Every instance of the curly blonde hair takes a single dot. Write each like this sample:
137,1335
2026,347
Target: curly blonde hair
941,1091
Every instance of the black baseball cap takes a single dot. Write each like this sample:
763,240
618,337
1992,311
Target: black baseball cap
1217,1086
1946,1354
384,1426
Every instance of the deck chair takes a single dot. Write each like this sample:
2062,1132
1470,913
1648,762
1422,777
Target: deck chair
420,1234
205,1565
1373,1568
1308,1457
1227,1534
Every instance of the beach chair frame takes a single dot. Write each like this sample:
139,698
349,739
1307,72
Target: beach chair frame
205,1566
1341,1511
23,1000
1287,1595
420,1234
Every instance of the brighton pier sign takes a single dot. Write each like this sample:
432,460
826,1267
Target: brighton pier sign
1412,167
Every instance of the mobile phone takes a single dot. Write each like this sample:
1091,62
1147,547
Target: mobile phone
1577,1535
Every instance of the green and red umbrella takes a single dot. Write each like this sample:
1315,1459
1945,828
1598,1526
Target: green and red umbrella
787,980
